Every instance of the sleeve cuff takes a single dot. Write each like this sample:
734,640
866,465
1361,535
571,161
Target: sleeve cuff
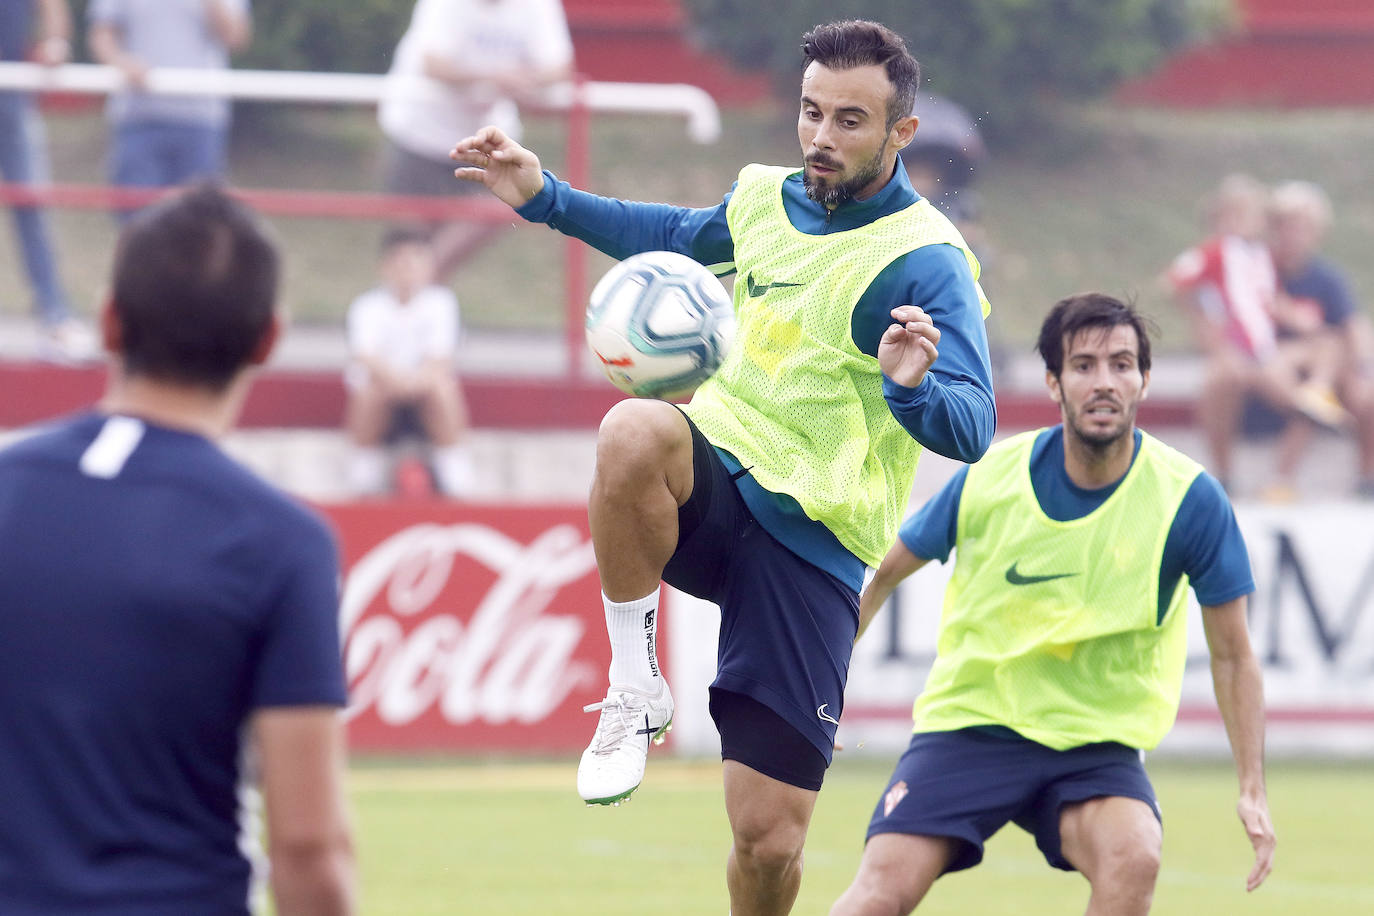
539,208
903,396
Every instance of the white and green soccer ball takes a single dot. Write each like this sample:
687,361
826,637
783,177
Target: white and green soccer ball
660,324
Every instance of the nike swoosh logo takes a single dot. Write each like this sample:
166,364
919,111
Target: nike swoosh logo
825,716
1016,578
758,289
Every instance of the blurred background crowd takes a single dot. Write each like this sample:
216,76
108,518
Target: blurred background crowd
1197,161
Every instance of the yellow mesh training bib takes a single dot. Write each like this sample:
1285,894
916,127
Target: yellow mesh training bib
796,401
1052,628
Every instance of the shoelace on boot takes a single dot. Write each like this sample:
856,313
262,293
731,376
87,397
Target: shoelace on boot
612,729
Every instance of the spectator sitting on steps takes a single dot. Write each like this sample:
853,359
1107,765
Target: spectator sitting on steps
402,338
1309,284
1255,347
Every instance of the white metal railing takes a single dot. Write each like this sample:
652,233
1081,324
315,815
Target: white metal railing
690,102
577,100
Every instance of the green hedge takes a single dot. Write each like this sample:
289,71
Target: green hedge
1012,62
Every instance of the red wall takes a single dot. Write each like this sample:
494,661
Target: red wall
649,41
1284,53
32,392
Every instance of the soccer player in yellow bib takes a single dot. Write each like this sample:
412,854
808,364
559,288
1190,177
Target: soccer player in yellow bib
1062,639
786,476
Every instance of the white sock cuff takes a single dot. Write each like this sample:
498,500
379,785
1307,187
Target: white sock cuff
638,605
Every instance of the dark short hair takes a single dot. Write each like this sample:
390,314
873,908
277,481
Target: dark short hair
1090,310
861,43
195,288
405,234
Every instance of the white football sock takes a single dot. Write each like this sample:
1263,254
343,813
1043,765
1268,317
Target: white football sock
454,468
632,627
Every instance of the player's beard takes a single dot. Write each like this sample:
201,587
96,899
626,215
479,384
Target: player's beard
1101,442
832,195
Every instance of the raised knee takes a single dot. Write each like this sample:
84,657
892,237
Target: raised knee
641,439
1224,377
636,428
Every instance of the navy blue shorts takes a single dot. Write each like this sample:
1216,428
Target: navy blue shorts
759,738
968,784
787,627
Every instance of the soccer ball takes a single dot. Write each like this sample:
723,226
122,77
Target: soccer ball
660,324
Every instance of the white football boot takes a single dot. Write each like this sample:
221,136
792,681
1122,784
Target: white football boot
612,766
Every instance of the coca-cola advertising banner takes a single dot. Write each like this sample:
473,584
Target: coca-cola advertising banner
470,628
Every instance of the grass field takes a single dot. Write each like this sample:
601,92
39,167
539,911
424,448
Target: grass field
1104,204
512,839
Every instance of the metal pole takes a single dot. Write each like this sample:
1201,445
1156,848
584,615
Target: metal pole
575,251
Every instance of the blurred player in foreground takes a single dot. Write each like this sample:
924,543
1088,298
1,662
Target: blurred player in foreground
784,477
168,621
1062,639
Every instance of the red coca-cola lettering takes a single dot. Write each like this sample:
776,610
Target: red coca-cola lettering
470,628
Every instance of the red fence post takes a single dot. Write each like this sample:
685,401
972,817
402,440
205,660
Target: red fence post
574,251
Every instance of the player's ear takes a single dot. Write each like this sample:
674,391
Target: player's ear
904,130
1052,383
268,342
111,331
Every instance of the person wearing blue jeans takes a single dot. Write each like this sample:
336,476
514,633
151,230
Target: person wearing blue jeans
160,140
24,159
155,154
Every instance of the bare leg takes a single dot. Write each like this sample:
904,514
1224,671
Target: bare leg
444,412
895,874
1218,411
768,820
1358,393
366,415
444,415
455,242
1115,843
643,474
1293,443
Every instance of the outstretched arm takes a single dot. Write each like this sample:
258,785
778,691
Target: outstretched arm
508,170
54,32
1239,687
107,47
231,23
899,563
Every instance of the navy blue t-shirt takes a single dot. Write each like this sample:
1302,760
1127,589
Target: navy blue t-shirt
153,594
1321,282
1204,541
